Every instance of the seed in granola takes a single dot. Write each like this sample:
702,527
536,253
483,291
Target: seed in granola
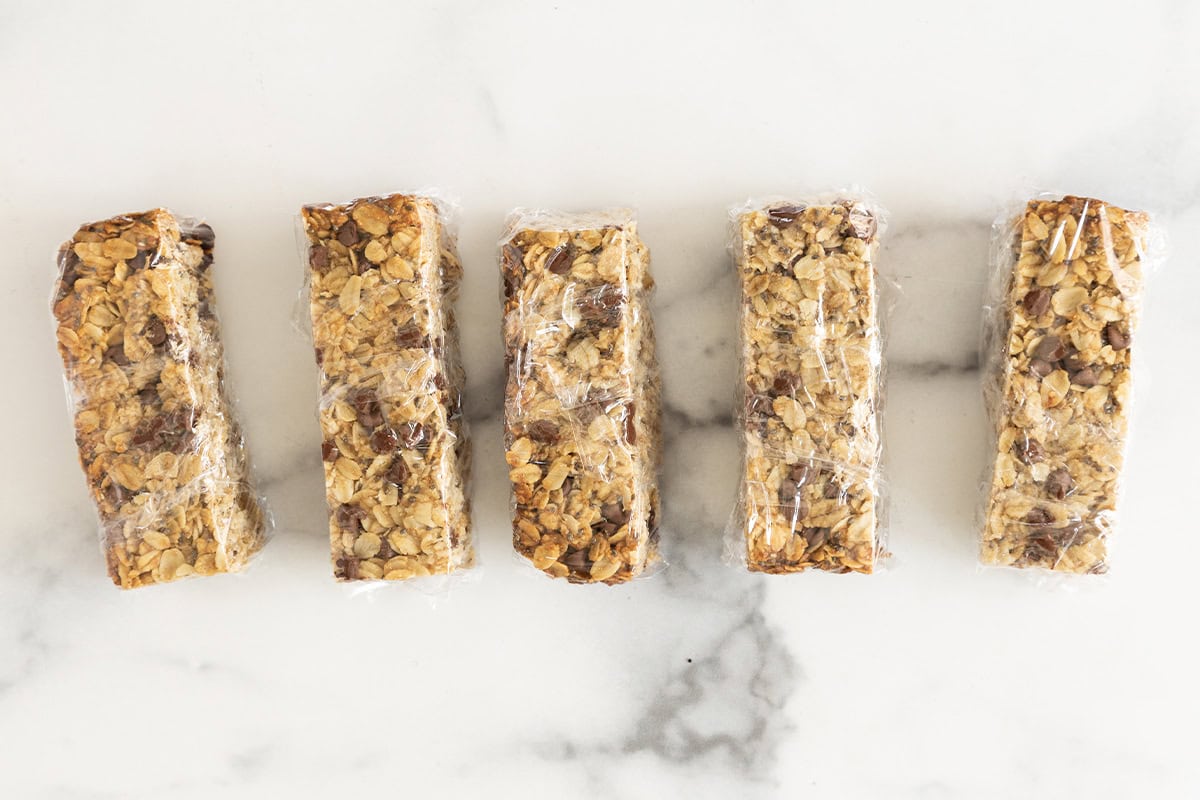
347,234
560,259
784,215
384,440
1058,483
542,430
1117,339
1050,348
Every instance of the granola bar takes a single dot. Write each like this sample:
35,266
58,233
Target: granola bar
582,403
383,277
143,360
1059,382
810,355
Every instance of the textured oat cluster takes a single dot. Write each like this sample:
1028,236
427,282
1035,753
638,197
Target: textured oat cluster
582,402
143,360
383,277
1060,383
810,355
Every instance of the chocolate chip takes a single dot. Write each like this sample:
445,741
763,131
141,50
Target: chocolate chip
1084,377
348,233
560,259
116,354
1117,339
578,561
397,472
70,271
566,487
542,430
1073,360
348,517
614,513
1040,547
366,406
348,568
783,215
319,353
759,404
385,549
156,332
329,450
861,225
801,474
1058,483
630,426
787,491
816,538
410,337
383,440
1050,348
137,261
1038,516
116,494
1037,302
148,396
413,434
602,308
1028,451
1040,368
785,383
831,489
203,235
318,257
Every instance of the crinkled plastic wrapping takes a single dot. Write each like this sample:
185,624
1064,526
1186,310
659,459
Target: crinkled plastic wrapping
811,495
382,276
583,429
1058,343
144,370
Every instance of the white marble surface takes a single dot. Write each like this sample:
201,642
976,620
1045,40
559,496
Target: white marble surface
929,681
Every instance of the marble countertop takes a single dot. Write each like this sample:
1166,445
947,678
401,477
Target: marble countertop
931,680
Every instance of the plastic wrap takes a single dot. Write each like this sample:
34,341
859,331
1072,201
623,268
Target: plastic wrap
583,431
382,279
1060,322
810,495
144,368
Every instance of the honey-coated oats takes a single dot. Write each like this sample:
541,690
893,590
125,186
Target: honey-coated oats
811,373
1058,349
582,402
144,365
383,276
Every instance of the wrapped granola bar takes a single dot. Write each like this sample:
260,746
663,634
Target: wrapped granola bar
383,276
144,367
811,379
582,403
1058,349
